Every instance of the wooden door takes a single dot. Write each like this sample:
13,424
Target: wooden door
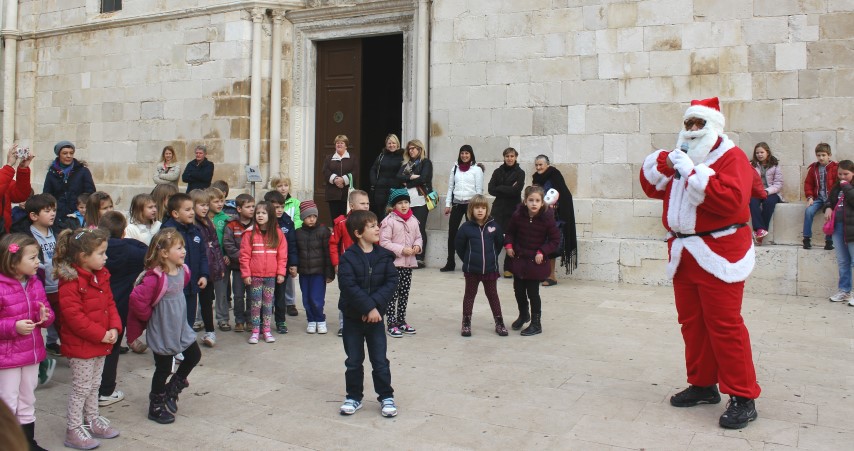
339,106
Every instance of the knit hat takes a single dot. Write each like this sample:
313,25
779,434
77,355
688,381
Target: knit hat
396,195
307,208
61,145
710,111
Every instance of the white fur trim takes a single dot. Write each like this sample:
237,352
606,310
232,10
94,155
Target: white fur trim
681,213
697,183
725,232
651,172
713,156
714,118
714,264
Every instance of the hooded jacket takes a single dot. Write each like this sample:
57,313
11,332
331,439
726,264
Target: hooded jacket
287,226
811,182
145,296
365,286
529,236
313,247
232,236
66,190
340,239
88,311
17,303
478,246
397,234
259,260
216,264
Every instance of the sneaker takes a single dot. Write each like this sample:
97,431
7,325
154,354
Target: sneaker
238,327
694,395
850,304
101,428
80,438
281,328
340,331
394,332
388,408
350,406
807,243
761,233
407,329
53,349
253,339
198,325
321,327
224,326
115,397
209,339
269,338
841,296
291,310
312,328
739,412
49,367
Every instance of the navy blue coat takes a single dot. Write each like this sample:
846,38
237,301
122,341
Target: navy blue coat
198,176
286,225
478,247
197,256
125,260
66,190
364,287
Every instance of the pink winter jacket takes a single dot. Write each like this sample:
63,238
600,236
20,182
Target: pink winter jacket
396,234
18,350
144,297
258,260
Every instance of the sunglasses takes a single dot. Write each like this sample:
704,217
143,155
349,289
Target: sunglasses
692,121
412,148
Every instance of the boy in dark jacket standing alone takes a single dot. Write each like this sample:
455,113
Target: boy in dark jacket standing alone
315,266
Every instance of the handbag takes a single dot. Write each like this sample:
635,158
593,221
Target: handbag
431,199
829,225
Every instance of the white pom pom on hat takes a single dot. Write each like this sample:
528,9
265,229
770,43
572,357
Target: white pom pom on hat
710,111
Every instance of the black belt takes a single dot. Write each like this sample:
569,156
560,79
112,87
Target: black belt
722,229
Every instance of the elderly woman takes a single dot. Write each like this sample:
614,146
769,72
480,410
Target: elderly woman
199,172
168,170
67,178
549,177
339,169
416,175
384,174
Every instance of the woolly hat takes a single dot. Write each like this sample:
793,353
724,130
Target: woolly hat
307,208
710,111
396,195
61,145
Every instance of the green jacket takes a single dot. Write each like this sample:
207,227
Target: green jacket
292,209
219,221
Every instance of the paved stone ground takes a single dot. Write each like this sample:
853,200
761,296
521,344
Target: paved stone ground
599,377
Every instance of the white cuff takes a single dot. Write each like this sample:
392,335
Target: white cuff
697,183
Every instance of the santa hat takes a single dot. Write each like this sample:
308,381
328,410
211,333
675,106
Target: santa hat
307,208
710,111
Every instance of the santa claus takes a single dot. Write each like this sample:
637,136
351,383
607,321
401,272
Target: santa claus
705,185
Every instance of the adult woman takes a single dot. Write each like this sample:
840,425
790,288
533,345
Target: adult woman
549,177
384,174
67,178
338,171
464,182
168,170
506,185
416,174
761,210
14,184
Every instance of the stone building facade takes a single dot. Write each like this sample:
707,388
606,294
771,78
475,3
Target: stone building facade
595,85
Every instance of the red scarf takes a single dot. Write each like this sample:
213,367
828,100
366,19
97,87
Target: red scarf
464,166
406,216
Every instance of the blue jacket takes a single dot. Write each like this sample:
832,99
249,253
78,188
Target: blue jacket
66,190
197,258
286,225
363,286
198,176
125,261
478,247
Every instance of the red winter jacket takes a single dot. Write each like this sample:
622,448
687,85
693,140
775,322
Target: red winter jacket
13,189
811,187
340,240
88,311
17,303
259,260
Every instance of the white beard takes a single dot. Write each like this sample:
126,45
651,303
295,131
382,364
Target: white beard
699,142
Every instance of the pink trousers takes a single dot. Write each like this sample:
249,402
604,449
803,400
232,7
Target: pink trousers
18,391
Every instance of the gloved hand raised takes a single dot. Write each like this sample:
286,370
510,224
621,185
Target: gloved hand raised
681,162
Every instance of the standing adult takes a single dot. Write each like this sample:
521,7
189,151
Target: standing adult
506,185
464,182
168,169
339,169
14,184
416,174
199,172
384,174
549,177
67,178
706,192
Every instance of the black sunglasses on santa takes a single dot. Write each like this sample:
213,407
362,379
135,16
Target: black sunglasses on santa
692,121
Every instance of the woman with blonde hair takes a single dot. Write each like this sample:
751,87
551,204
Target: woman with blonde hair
416,174
383,174
168,169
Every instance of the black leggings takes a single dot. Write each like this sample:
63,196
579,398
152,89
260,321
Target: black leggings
420,214
163,367
337,208
525,289
458,212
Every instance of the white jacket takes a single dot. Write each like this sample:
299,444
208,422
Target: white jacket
142,232
464,185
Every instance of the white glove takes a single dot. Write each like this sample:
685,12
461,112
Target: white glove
681,162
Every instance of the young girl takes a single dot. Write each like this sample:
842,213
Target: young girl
531,236
158,304
766,166
160,195
24,311
400,234
98,203
478,243
143,222
216,265
839,207
91,325
263,264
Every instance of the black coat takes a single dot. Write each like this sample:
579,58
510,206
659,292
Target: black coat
478,246
847,208
65,191
506,185
528,236
125,261
363,286
198,176
383,178
565,212
313,250
424,168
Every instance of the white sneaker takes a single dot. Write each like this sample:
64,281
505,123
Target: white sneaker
321,327
841,296
209,339
269,338
312,328
350,406
389,409
115,397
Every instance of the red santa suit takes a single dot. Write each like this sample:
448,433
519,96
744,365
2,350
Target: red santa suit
709,269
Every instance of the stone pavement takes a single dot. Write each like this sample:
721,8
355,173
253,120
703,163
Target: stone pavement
599,377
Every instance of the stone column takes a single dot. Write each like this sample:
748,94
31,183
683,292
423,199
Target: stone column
258,15
10,35
276,95
422,71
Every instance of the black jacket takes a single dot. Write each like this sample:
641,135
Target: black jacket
847,208
197,256
363,286
125,260
506,185
552,178
422,167
478,247
286,225
385,168
313,247
65,191
198,176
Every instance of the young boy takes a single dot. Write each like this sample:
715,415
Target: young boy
125,260
285,295
182,217
314,267
340,240
821,176
367,280
228,205
80,215
283,185
221,287
231,237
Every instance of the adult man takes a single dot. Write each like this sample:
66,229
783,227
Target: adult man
705,185
199,172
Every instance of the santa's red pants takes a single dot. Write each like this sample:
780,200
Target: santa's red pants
717,345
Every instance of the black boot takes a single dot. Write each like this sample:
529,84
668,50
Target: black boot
534,328
694,395
739,412
807,243
157,409
30,433
523,318
466,329
828,245
449,267
173,389
500,328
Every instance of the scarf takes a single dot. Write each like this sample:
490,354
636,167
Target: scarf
406,216
508,168
464,166
64,169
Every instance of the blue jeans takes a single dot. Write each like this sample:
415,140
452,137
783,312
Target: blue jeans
809,214
313,287
844,251
356,334
761,211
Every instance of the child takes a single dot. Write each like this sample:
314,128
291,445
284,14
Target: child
228,207
158,304
161,194
531,236
478,243
231,239
263,263
182,217
80,214
285,295
216,264
340,240
400,234
367,280
761,211
125,258
219,219
821,176
283,185
315,265
24,311
99,203
143,222
840,203
92,326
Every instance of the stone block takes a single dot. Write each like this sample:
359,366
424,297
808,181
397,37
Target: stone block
816,114
514,49
621,15
583,210
670,62
590,92
662,38
582,42
791,56
598,259
554,69
473,50
468,122
446,52
776,270
558,20
830,54
612,181
509,73
643,262
805,28
761,58
704,61
612,119
538,145
589,67
817,272
550,121
468,74
664,12
717,10
787,224
512,121
238,31
440,75
766,30
660,117
594,17
755,116
489,96
576,119
638,146
606,41
555,45
788,7
630,39
581,149
844,82
734,59
657,89
811,139
510,24
614,218
614,148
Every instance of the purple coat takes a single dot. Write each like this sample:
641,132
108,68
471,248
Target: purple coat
18,350
528,236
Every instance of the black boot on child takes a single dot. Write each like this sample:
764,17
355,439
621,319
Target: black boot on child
534,328
500,328
175,386
157,409
466,329
523,318
30,433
